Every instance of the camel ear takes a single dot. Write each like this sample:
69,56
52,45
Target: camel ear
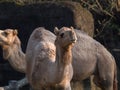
72,28
56,31
15,32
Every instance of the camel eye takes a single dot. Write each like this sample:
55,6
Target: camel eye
62,35
6,33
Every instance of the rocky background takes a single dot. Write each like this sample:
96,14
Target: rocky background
99,18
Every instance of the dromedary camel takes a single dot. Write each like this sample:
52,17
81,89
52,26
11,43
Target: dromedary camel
12,51
89,57
44,72
11,46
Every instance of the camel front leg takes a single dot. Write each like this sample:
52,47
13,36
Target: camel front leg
65,86
104,84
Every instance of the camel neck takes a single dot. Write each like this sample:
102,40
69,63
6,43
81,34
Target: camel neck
15,57
63,63
64,56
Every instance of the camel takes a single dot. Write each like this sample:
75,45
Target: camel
42,71
92,58
12,51
89,58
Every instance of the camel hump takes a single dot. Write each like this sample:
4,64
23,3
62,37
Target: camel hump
41,34
45,51
41,40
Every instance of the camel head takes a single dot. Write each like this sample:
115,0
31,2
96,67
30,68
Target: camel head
65,37
7,37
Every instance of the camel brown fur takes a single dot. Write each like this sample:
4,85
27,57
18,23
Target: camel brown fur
11,46
43,72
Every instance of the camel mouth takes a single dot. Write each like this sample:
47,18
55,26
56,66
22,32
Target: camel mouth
73,40
2,42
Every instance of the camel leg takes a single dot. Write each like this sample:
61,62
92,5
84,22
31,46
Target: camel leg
68,87
112,84
64,87
104,84
115,86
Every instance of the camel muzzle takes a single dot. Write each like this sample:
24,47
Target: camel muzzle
73,40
